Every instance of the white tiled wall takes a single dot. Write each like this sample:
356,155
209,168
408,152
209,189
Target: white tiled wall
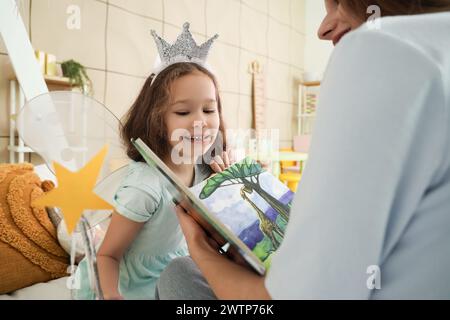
98,82
129,45
116,46
222,17
278,41
152,9
50,33
317,52
254,27
298,14
278,81
223,56
245,112
280,10
177,12
230,107
121,92
260,5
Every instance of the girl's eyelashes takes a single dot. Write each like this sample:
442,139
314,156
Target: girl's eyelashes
185,113
210,108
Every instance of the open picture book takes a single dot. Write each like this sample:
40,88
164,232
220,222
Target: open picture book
243,206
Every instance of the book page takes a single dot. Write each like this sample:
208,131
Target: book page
254,207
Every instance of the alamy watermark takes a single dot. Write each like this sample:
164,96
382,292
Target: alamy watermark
73,21
204,145
374,22
374,280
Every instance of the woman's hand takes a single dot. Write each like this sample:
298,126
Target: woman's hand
196,237
227,278
199,242
221,162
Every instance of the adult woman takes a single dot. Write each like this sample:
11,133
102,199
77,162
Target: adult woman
376,191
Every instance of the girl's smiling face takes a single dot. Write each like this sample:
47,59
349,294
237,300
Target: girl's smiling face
192,117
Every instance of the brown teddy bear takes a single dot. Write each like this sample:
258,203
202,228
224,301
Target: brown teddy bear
29,248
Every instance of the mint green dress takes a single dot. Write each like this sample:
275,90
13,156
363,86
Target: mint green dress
142,198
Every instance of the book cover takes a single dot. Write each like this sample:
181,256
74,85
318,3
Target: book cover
243,206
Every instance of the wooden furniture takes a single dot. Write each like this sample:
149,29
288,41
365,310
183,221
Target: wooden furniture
286,156
16,102
290,171
291,179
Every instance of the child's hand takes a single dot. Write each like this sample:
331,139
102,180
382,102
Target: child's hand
220,163
114,297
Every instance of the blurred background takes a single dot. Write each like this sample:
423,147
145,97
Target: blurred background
112,41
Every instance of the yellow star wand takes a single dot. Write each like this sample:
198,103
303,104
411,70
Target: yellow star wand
75,192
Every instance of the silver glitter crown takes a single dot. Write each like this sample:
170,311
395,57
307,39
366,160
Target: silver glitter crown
185,49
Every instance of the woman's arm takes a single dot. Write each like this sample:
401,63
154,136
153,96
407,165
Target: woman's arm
121,233
228,280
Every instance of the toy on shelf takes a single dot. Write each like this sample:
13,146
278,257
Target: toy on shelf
47,63
308,99
310,103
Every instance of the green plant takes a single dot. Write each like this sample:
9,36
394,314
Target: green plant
76,72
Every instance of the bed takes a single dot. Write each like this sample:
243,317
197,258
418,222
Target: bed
53,290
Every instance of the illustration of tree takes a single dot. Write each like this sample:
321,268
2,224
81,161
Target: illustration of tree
247,173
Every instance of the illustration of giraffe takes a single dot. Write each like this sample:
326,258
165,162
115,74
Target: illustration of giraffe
267,227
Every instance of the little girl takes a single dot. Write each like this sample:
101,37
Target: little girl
144,234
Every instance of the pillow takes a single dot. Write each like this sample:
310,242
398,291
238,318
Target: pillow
29,249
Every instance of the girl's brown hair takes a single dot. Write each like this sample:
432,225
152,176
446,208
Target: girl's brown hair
395,7
145,119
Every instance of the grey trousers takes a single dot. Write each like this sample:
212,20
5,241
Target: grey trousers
182,280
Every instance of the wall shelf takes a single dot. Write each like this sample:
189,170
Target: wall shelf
16,102
20,149
310,84
60,81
